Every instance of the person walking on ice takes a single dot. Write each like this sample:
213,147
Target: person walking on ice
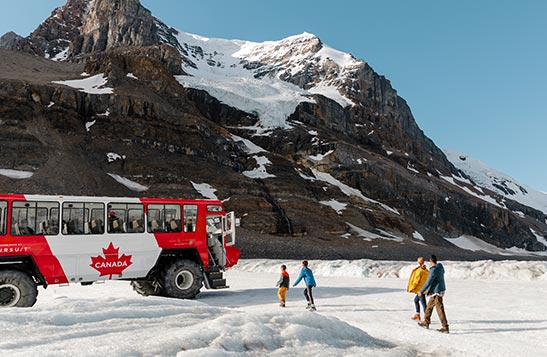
435,289
307,275
415,283
283,283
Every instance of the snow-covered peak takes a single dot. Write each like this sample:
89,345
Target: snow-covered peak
268,79
496,181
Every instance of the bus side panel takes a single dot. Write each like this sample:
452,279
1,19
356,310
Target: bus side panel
183,240
37,247
91,257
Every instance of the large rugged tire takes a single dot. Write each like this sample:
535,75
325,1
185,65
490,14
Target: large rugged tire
182,280
17,289
144,287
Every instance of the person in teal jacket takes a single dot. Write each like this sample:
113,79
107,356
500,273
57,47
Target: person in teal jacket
307,275
435,288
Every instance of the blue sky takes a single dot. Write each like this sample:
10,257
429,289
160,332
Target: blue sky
473,72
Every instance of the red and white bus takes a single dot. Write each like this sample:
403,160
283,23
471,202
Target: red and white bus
165,247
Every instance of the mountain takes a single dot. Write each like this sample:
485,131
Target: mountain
311,147
9,39
500,183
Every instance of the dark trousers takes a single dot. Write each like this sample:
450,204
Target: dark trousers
437,302
419,299
308,294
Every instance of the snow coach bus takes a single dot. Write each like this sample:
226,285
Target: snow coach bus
164,247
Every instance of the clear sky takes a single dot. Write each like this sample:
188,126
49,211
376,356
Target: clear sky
474,72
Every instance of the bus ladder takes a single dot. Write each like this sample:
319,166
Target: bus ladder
214,275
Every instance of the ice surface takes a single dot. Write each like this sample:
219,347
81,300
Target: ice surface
363,310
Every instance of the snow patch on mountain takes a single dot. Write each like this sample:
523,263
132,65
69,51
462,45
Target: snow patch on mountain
496,181
205,190
260,172
250,147
16,174
335,205
475,244
92,85
347,190
368,236
132,185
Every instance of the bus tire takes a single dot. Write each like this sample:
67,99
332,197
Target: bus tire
144,288
182,279
17,289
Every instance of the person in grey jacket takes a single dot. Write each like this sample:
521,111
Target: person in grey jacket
435,288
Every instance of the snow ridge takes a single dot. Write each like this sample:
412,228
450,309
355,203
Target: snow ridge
496,181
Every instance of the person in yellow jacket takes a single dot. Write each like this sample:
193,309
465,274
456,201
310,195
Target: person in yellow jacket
417,279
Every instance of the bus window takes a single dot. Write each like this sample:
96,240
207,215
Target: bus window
190,217
3,217
96,225
34,218
125,218
164,218
83,218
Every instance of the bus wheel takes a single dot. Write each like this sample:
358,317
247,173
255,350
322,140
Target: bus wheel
144,288
17,289
183,280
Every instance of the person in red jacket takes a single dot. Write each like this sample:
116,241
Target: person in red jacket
283,283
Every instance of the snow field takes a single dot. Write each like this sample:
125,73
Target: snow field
493,308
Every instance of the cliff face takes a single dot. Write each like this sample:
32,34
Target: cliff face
343,171
90,26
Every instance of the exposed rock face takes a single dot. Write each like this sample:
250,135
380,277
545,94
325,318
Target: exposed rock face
90,26
9,39
352,175
120,23
55,37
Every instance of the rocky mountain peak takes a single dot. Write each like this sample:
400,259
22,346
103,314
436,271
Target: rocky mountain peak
82,27
9,39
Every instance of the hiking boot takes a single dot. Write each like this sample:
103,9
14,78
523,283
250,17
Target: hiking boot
312,308
282,304
443,330
423,324
416,317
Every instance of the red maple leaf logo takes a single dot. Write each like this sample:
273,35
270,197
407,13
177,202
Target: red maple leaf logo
110,264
